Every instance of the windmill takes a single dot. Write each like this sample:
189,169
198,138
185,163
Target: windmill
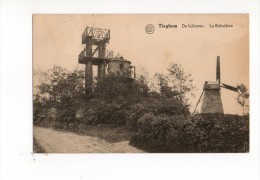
211,101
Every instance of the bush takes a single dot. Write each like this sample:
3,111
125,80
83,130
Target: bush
198,133
156,106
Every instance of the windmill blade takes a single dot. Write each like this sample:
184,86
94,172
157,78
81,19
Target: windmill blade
232,88
198,101
218,70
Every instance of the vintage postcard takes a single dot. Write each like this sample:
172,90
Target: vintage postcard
126,83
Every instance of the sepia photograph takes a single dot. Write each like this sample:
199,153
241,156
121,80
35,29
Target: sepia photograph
140,83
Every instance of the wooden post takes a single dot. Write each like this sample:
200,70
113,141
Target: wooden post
101,66
88,70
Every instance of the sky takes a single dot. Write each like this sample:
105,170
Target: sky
57,41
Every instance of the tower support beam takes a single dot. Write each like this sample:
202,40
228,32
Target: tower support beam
88,78
101,66
88,70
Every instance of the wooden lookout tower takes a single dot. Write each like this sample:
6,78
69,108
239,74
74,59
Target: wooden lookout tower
94,53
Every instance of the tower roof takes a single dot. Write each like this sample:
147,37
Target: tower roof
119,58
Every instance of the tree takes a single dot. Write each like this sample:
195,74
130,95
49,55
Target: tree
182,82
243,96
61,90
61,85
176,84
144,80
164,88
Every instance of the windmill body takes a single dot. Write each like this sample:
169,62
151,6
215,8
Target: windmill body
212,102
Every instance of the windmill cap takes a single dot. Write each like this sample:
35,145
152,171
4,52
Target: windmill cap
211,85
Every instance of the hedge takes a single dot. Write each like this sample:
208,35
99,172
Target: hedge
193,133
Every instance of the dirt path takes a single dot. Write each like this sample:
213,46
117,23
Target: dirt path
54,141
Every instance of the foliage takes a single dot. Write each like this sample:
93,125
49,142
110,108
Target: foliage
118,88
175,84
197,133
156,105
61,85
243,96
37,148
120,101
143,78
182,82
59,101
59,95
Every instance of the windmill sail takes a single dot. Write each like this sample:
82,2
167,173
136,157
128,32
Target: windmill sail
232,88
218,70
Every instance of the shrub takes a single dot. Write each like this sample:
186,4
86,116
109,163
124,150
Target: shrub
197,133
156,106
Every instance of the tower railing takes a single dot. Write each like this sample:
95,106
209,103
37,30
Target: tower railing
84,54
97,34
